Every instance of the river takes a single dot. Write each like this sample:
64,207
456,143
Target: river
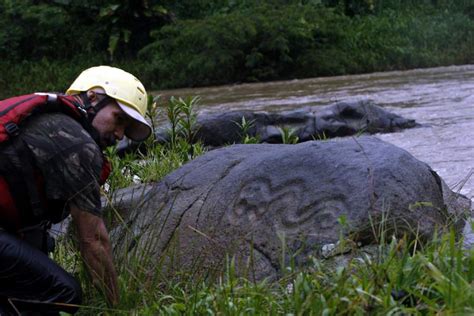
440,99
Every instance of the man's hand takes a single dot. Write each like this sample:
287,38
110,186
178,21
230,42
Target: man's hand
97,252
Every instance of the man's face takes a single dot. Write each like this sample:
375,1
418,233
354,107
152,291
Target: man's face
111,123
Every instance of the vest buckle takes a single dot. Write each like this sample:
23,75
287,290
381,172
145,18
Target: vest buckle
11,128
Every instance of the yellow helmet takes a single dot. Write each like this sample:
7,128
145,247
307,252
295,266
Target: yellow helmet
122,86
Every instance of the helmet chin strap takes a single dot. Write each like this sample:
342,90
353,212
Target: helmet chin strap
92,110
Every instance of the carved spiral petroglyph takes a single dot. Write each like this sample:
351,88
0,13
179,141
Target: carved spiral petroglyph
289,206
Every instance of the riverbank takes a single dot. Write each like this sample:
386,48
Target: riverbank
398,278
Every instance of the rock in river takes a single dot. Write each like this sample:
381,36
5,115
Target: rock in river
248,201
310,123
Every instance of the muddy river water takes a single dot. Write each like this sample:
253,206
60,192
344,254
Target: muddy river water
441,99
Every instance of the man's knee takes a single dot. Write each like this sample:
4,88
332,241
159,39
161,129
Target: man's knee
75,292
28,274
71,294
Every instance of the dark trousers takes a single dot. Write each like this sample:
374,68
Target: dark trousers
32,281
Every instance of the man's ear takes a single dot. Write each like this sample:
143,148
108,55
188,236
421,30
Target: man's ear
91,95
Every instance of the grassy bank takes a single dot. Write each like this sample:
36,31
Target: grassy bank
398,278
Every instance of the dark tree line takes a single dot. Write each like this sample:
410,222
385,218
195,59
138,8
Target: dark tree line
43,44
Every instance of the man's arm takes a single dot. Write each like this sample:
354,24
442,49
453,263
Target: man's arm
97,253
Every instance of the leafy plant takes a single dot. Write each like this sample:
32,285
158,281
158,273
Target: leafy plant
128,22
246,134
183,118
288,135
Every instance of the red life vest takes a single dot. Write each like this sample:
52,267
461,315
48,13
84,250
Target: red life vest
13,113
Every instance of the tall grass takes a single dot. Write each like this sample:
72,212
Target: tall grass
392,279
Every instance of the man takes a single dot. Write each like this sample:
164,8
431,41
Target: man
65,153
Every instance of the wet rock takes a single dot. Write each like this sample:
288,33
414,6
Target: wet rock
126,200
256,202
468,232
310,123
345,119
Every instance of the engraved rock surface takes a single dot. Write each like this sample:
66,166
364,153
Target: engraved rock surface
258,202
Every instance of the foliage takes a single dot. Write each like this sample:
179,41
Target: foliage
18,19
204,42
196,9
128,23
398,277
47,75
365,7
288,135
182,116
261,44
403,45
42,75
247,131
72,26
294,41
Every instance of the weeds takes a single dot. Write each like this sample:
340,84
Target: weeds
398,279
182,116
288,135
247,131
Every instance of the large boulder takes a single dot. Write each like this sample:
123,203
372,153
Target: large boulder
256,202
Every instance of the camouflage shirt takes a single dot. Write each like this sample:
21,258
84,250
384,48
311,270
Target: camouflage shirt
69,160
